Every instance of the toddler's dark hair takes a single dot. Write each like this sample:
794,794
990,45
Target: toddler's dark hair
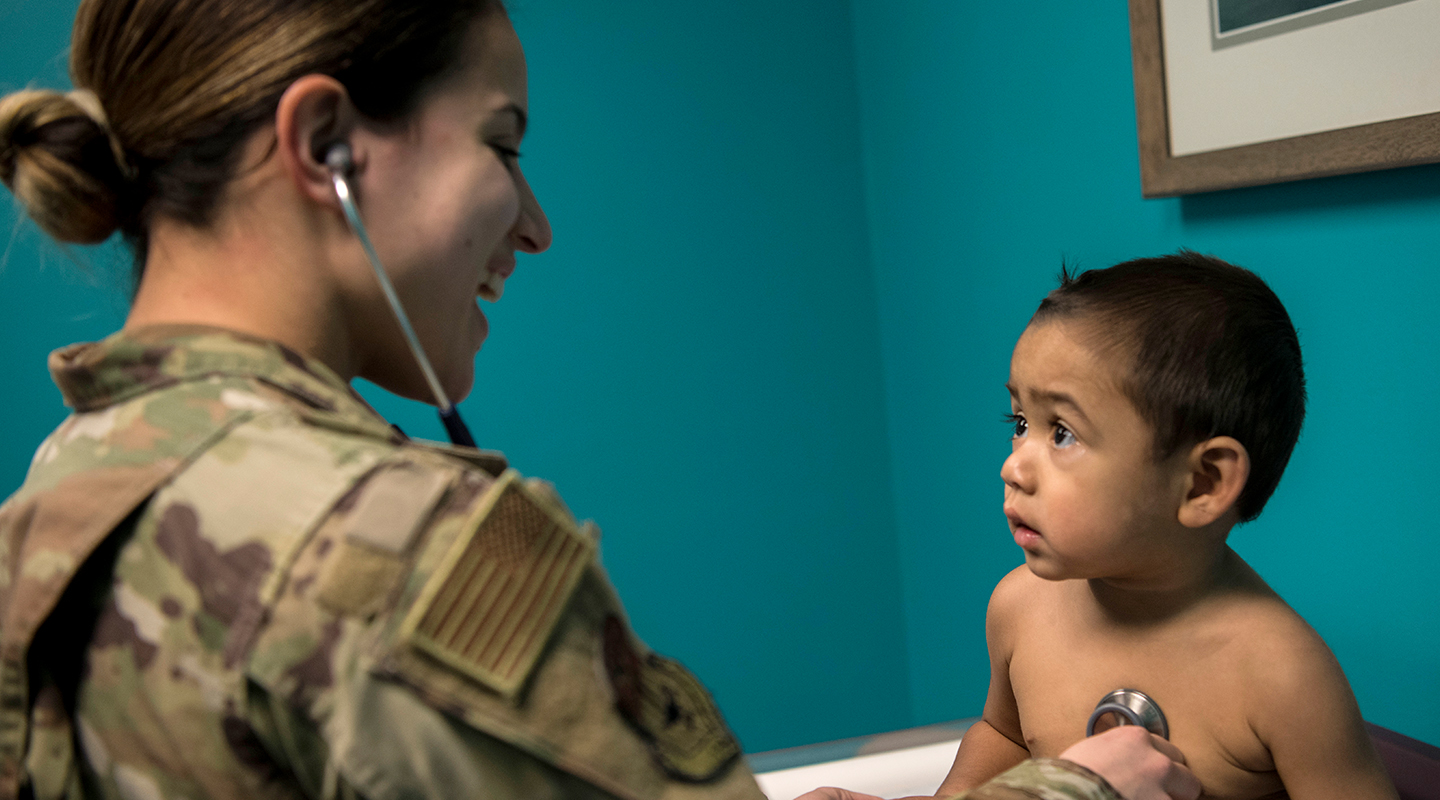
1212,353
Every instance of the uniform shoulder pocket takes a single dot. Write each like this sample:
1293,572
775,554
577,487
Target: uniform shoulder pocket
378,522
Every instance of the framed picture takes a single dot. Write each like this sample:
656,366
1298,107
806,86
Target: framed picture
1232,93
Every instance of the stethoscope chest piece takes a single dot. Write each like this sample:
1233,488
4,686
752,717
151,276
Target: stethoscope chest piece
1129,707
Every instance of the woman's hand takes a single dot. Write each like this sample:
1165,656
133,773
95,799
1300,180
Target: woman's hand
1139,764
833,793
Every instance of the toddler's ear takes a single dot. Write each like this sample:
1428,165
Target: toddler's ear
1219,468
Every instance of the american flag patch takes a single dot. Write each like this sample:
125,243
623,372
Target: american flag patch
489,608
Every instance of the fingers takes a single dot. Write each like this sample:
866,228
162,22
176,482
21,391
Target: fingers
1140,765
1181,783
1175,780
1170,750
834,793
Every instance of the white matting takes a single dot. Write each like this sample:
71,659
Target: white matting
1379,65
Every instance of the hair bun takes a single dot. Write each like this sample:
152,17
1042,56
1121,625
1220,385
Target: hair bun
59,159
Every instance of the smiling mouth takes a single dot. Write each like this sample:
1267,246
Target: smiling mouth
491,288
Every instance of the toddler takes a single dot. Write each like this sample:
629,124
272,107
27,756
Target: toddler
1155,405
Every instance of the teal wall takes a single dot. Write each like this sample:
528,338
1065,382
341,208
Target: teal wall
695,363
794,245
49,296
997,144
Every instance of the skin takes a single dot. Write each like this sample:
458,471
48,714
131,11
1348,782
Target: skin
1128,582
447,208
443,198
1139,765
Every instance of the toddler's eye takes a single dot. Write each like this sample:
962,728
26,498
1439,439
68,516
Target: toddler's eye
1062,436
1018,426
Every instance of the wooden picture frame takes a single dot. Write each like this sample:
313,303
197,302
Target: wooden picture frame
1382,145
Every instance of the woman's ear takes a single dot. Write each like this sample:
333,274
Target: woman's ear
1219,468
314,113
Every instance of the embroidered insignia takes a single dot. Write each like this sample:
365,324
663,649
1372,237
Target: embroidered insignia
670,709
489,608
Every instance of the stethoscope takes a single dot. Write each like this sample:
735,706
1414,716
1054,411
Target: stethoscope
1120,707
1129,707
340,162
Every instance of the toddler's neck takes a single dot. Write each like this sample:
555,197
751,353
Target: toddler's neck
1152,602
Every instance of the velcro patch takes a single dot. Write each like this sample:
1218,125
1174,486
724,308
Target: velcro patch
395,503
392,507
489,608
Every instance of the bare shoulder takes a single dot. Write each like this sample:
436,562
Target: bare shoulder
1015,602
1292,680
1299,703
1013,594
1283,657
1293,675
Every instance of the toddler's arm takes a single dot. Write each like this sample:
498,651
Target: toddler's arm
995,743
1304,712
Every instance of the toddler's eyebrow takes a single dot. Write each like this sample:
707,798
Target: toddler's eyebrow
1053,398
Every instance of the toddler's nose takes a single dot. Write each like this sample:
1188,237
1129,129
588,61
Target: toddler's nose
1015,471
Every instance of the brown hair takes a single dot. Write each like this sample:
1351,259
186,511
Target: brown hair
168,90
1212,352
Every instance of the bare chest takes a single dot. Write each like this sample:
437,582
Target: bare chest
1199,684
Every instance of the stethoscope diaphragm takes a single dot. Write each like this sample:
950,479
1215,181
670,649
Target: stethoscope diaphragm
1129,707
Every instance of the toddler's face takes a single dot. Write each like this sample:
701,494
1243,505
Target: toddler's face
1084,495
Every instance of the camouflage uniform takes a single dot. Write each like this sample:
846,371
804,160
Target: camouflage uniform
1044,779
227,577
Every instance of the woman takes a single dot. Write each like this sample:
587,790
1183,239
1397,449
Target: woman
225,575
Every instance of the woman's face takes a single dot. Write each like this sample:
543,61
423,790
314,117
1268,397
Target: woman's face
447,207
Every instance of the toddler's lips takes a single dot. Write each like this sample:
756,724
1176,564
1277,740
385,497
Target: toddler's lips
1025,537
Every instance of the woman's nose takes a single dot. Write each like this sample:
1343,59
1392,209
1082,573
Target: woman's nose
531,233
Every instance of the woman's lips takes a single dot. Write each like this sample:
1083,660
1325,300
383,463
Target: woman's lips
492,286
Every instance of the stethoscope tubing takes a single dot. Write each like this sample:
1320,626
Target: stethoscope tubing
449,415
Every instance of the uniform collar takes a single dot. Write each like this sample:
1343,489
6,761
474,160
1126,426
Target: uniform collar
129,363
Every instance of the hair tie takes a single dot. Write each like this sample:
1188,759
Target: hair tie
89,102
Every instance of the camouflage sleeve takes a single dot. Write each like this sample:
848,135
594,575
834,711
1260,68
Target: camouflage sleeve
319,704
377,739
446,634
1044,779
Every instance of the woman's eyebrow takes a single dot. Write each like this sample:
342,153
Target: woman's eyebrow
521,119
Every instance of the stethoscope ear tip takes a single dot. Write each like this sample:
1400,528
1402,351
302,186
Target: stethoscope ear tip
339,158
341,162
